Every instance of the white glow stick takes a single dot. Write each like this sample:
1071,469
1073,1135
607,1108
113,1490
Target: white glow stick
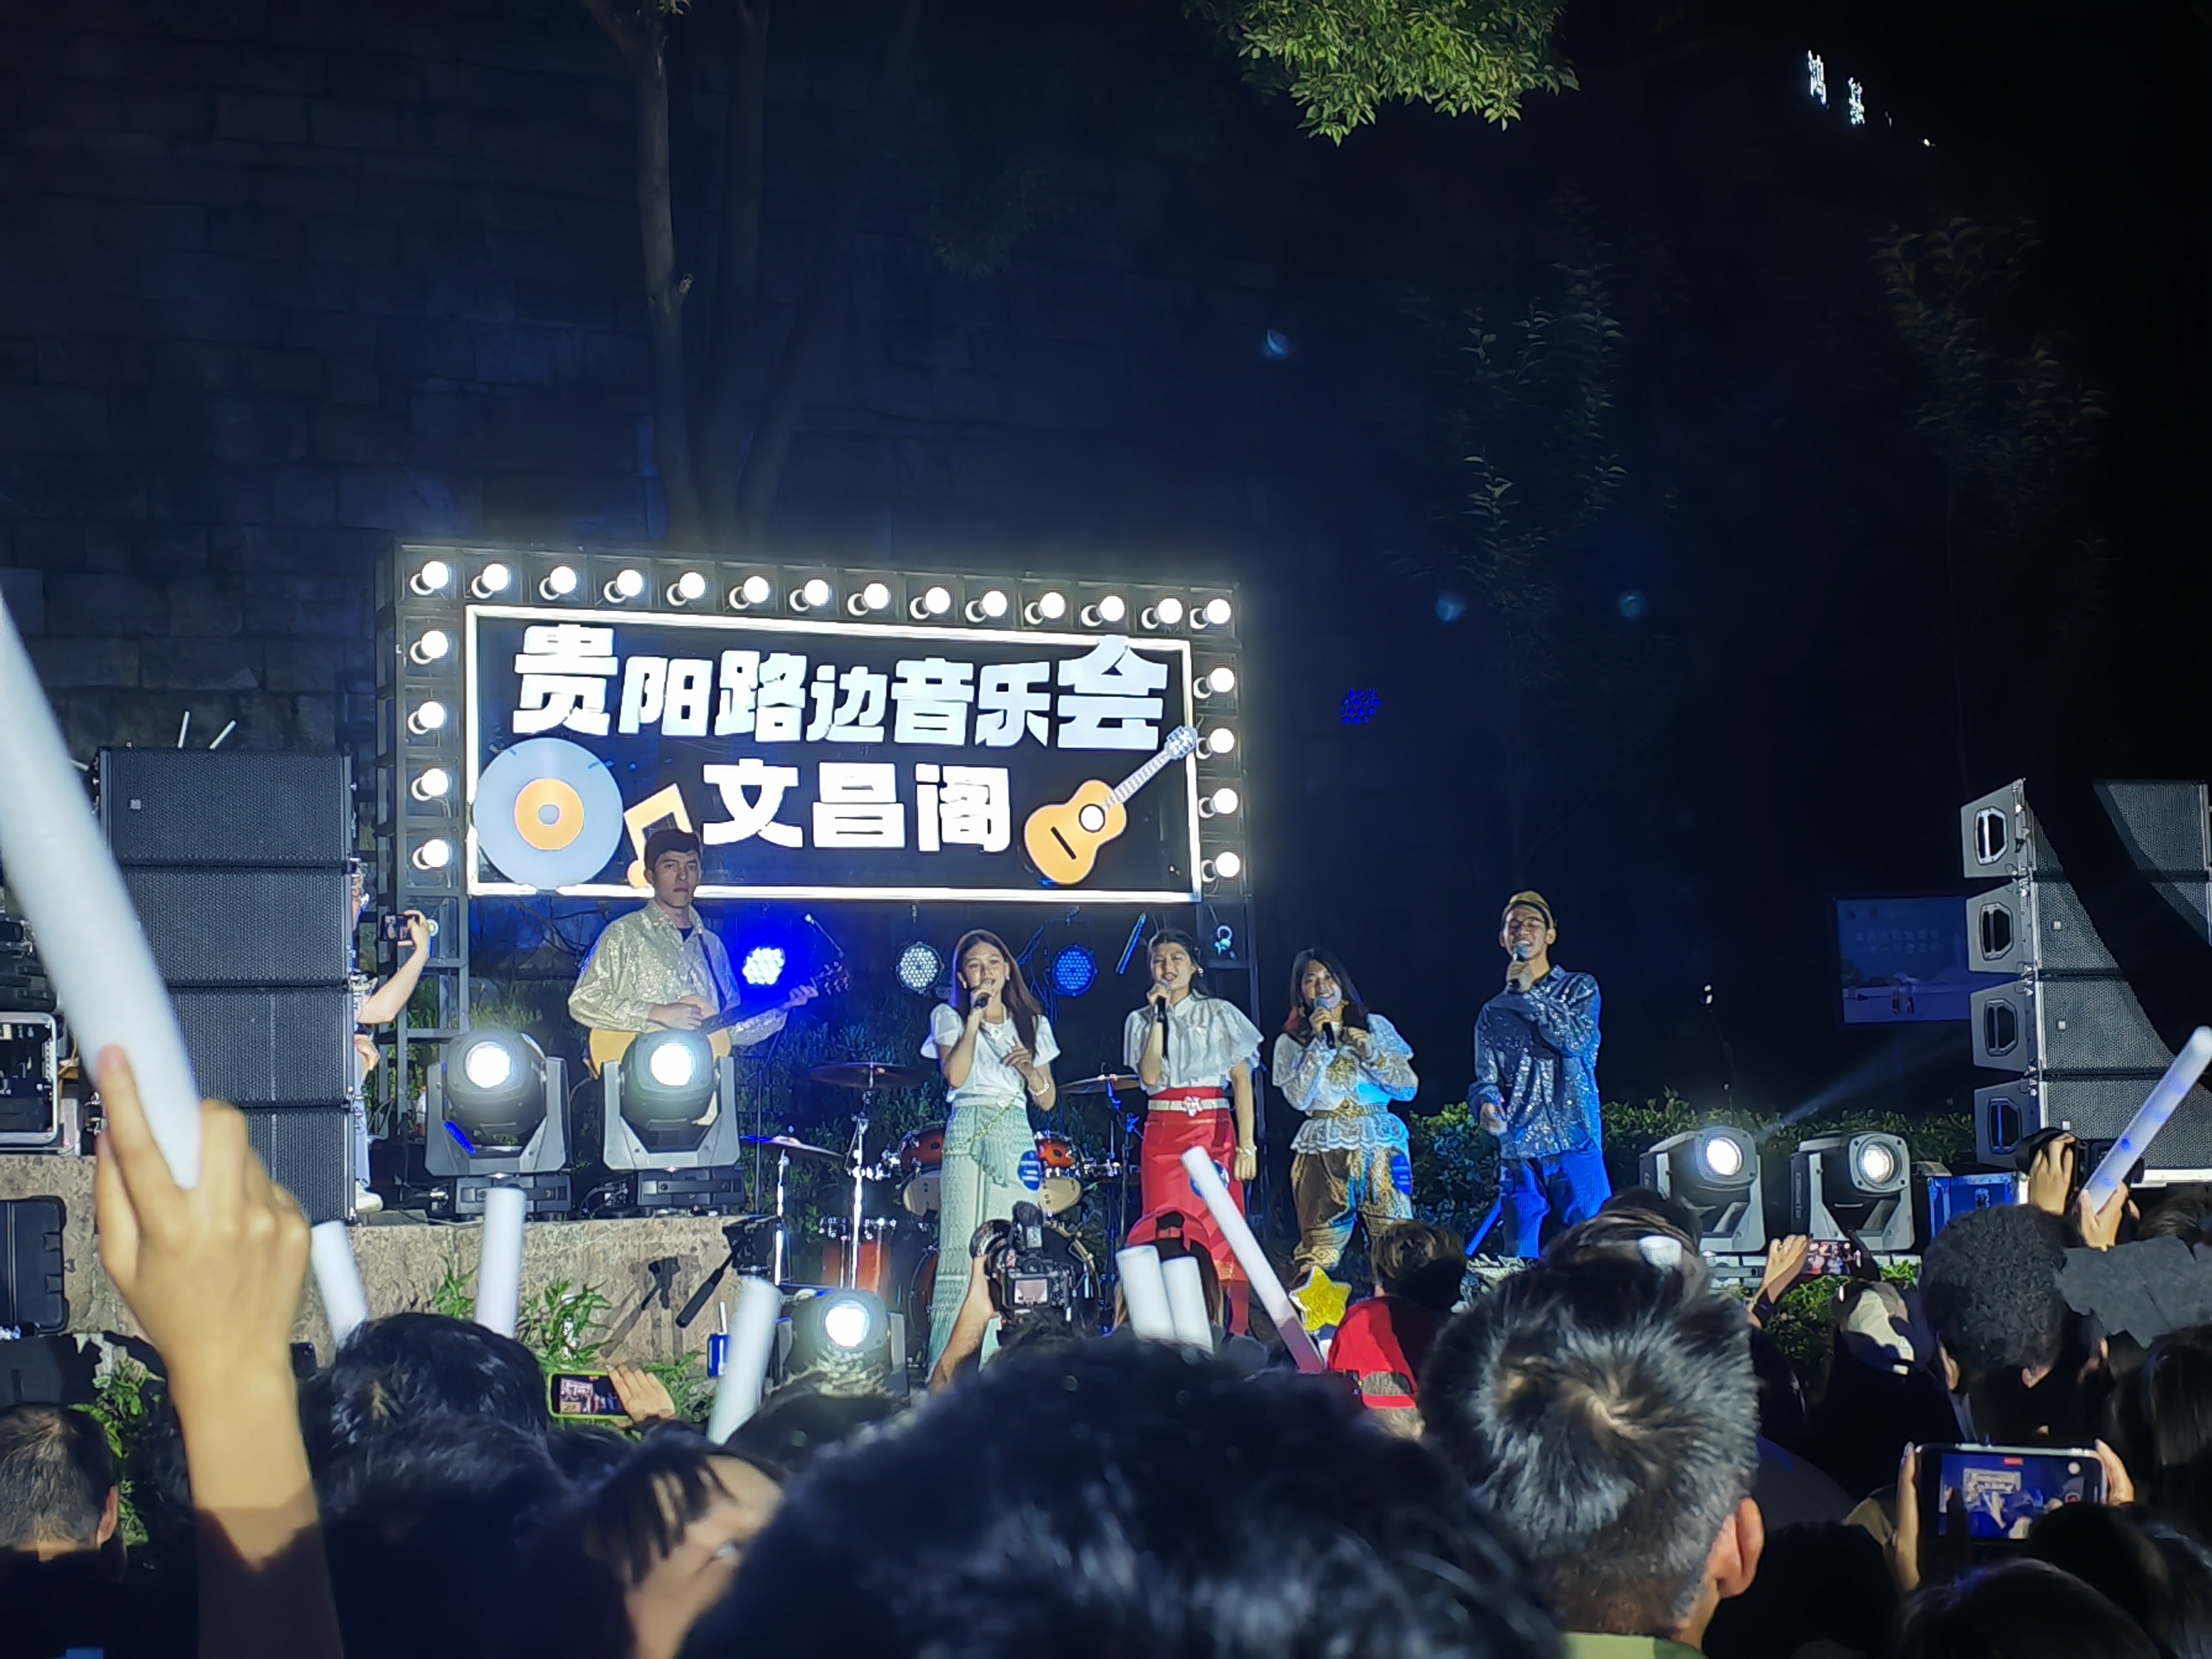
337,1277
60,871
1257,1268
499,1260
1145,1293
2150,1117
1194,1326
752,1340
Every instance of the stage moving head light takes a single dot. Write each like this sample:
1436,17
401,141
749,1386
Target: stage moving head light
495,1087
843,1343
1857,1182
1716,1171
667,1079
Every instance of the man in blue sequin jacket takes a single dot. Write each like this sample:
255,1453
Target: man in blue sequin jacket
1535,1080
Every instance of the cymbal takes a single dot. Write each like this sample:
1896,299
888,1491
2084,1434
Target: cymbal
789,1145
1099,1084
868,1074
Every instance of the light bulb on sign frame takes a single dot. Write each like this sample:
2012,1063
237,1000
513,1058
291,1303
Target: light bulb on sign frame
1223,866
992,607
1220,741
434,577
933,601
1107,613
431,646
428,717
874,597
686,588
1221,804
1214,613
560,582
433,855
624,584
432,783
751,591
1046,607
494,580
811,595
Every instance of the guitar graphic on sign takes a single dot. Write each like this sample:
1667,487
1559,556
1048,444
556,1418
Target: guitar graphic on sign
1063,841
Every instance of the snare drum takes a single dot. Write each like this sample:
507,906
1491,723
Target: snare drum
1063,1189
922,1149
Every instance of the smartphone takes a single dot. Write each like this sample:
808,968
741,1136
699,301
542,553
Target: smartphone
584,1393
394,928
1988,1496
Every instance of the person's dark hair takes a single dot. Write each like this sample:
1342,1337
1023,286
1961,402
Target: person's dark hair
1021,1001
1176,936
420,1523
2158,1575
2185,1213
1645,1235
2160,1423
1816,1584
1988,1286
1354,1005
797,1424
1117,1498
2024,1610
400,1368
1418,1261
665,840
1603,1406
587,1453
1680,1215
56,1472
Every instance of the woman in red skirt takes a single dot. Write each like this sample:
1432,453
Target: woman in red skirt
1193,1053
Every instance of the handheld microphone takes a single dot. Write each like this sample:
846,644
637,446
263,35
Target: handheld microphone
981,999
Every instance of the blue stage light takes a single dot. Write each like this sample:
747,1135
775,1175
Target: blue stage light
1277,345
1074,970
1631,604
763,965
1360,707
1450,607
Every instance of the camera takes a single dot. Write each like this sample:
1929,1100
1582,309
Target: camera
1036,1277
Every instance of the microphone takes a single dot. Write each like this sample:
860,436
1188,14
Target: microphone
981,999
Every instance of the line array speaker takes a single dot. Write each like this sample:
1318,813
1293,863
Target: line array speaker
246,926
251,1046
2071,1024
196,808
307,1151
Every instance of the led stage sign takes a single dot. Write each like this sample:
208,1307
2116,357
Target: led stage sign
819,760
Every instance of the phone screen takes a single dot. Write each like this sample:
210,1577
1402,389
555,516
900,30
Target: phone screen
1995,1493
584,1393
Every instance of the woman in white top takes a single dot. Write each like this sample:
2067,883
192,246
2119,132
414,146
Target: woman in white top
1342,1066
1193,1053
995,1047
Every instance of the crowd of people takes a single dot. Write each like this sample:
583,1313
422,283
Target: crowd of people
1602,1454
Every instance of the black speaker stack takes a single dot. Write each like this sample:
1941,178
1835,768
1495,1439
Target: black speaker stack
239,864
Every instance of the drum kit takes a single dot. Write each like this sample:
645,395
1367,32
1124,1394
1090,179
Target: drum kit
873,1247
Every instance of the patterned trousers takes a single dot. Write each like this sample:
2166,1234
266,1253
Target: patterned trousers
981,1181
1334,1188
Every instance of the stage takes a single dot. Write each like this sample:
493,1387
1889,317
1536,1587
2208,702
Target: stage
403,1261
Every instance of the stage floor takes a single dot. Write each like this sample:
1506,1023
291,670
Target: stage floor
402,1261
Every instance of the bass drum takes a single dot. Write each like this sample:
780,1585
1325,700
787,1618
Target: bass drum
1062,1188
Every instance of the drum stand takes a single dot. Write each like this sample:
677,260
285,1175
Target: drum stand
776,1265
859,1155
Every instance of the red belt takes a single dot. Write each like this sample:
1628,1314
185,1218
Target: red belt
1189,1101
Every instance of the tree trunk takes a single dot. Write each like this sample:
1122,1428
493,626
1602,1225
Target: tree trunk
664,289
737,294
810,328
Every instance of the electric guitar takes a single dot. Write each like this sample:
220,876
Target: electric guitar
1063,841
719,1023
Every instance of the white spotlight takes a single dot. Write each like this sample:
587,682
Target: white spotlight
560,582
687,587
432,784
754,590
1046,607
433,855
432,646
491,582
433,578
625,585
1220,803
427,718
1220,740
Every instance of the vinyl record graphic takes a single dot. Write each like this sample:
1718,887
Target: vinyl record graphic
548,813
